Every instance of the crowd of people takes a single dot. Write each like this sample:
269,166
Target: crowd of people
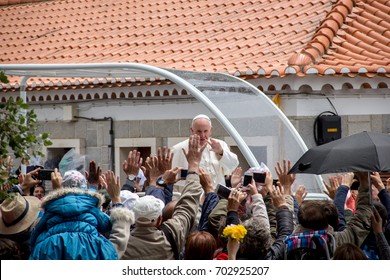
93,216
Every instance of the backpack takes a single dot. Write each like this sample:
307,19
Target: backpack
313,245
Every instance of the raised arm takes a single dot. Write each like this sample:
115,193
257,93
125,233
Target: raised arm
359,226
186,208
210,201
120,217
341,197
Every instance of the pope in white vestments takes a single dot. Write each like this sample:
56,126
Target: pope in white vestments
217,159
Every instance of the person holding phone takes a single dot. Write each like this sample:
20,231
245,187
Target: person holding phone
217,159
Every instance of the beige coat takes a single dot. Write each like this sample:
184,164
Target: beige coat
150,243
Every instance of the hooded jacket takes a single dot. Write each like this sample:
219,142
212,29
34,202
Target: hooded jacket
73,225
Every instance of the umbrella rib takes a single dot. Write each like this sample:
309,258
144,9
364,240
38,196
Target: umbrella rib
376,151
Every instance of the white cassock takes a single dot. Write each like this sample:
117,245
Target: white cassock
214,164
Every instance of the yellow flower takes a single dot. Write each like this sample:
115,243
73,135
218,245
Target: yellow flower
236,232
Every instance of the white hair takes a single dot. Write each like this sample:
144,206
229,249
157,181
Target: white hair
201,116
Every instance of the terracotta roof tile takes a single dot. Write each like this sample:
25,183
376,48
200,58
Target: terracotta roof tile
263,37
362,41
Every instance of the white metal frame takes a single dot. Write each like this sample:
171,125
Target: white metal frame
143,72
123,70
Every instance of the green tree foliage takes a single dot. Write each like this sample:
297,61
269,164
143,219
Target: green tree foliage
3,78
18,133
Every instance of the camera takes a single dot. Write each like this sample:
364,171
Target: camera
222,191
45,174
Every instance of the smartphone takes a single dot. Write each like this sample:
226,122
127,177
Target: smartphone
45,174
247,180
222,191
183,174
259,177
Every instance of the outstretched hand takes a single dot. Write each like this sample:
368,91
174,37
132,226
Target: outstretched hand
94,173
164,157
300,194
236,177
153,171
133,163
29,180
215,146
194,154
56,179
170,176
277,197
235,198
112,186
377,181
331,188
286,180
347,179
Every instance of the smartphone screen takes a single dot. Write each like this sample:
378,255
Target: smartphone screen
228,181
32,168
45,174
259,177
183,174
222,191
247,180
355,185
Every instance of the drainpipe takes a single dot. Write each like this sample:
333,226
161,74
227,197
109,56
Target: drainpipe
23,96
112,143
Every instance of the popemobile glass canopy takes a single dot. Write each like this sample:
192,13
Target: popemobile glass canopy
258,127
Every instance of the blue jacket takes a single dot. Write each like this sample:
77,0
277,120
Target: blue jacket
72,228
209,204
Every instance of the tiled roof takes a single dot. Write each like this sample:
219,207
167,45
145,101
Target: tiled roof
245,37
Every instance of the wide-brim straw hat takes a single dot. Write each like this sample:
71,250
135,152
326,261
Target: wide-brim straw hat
18,213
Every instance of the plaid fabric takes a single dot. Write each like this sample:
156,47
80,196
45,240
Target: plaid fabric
306,240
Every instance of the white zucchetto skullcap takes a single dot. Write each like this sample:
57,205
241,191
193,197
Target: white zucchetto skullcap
201,116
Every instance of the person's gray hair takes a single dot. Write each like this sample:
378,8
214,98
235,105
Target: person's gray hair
258,239
200,116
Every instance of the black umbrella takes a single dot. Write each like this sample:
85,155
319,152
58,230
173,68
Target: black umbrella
365,151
